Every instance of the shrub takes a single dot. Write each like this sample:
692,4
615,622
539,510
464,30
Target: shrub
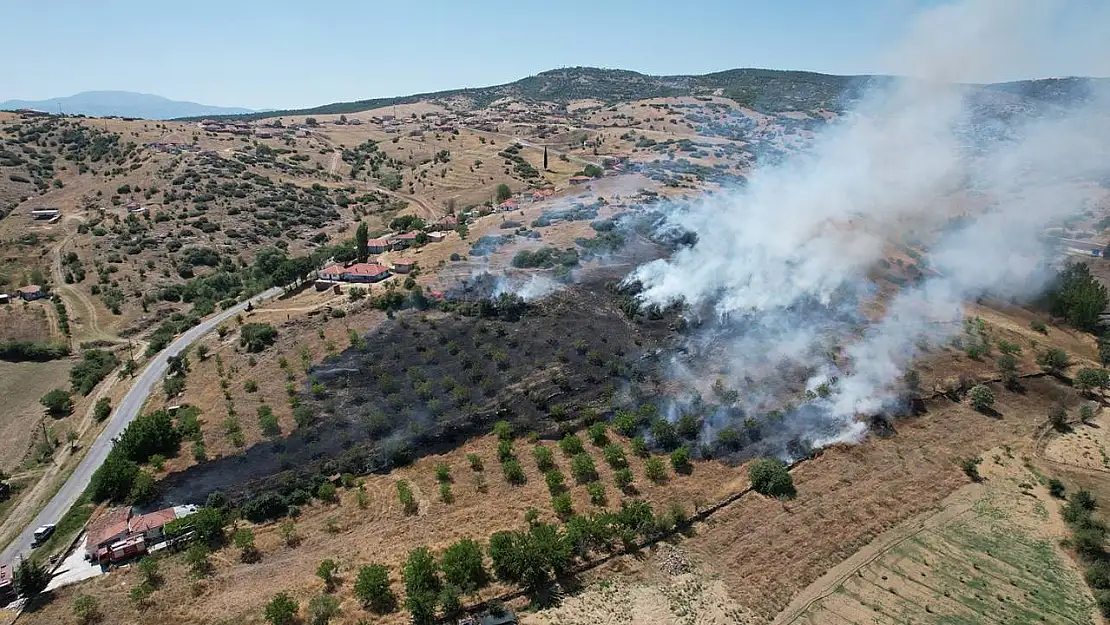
475,462
256,337
244,541
1058,417
443,473
982,398
623,478
505,450
970,467
1056,488
446,495
103,409
422,585
327,572
770,477
614,456
598,435
31,578
513,472
327,492
545,459
1086,413
503,430
571,445
563,505
655,470
86,609
680,460
322,609
250,386
556,483
625,422
639,447
404,494
267,422
1038,326
596,491
582,468
372,589
1053,360
664,434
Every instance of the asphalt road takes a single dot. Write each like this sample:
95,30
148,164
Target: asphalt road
127,410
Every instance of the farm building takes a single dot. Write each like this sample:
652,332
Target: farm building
436,237
45,213
377,246
31,292
403,265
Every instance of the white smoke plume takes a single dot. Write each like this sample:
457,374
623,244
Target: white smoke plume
780,268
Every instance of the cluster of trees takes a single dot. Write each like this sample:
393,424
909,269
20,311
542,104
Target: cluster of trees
120,478
1077,297
1088,537
545,258
256,337
19,351
95,365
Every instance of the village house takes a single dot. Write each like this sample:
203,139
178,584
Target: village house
403,265
105,530
507,205
378,246
365,273
448,222
7,584
402,241
31,292
436,237
580,179
151,525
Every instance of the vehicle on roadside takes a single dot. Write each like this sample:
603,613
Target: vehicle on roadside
42,533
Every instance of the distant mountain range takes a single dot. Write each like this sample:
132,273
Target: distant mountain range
122,104
764,90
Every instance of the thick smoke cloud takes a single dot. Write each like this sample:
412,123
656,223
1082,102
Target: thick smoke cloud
779,277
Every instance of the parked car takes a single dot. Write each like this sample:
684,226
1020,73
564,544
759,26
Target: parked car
42,533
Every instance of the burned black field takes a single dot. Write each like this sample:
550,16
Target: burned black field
427,380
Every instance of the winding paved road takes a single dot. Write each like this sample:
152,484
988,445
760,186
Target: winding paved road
128,409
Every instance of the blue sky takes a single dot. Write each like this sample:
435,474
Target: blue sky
285,53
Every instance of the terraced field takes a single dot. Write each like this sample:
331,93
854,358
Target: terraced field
986,564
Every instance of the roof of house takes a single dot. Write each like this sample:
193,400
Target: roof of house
29,289
449,220
5,574
377,243
404,261
580,178
406,235
108,525
332,270
365,269
151,520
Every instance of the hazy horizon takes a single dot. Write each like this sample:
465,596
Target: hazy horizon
222,54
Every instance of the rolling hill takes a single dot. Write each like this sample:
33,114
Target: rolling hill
122,104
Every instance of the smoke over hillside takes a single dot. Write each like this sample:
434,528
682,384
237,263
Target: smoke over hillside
778,277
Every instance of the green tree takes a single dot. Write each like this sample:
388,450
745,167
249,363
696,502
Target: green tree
327,572
463,567
503,192
149,570
571,445
58,402
770,477
1078,297
282,609
593,171
362,237
114,478
598,434
196,556
1089,379
244,541
422,585
257,336
1053,360
655,470
372,589
1058,417
103,409
1007,365
982,398
31,578
582,468
680,460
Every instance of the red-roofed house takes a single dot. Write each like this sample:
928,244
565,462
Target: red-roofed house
377,246
450,222
365,272
108,528
332,272
150,525
403,265
402,241
31,292
508,205
7,583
